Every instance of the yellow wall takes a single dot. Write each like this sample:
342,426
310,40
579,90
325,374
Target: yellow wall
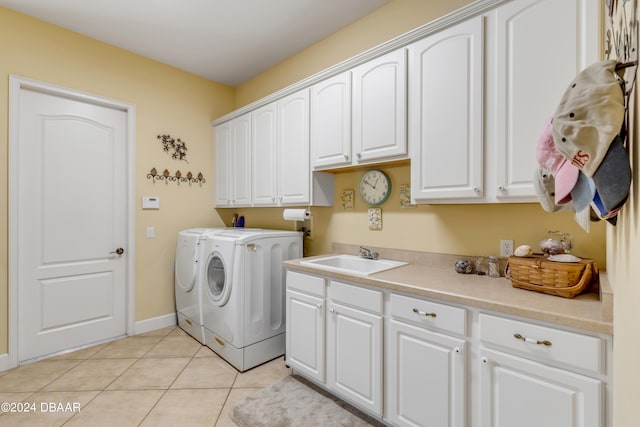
167,101
389,21
450,229
623,255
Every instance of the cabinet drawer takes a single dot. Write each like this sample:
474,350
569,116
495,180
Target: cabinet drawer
306,283
547,343
355,296
429,314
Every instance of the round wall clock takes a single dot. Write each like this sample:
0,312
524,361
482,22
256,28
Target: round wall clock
375,187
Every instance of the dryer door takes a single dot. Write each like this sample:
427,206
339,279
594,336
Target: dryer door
186,264
218,286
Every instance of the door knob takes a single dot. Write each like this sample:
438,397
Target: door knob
118,251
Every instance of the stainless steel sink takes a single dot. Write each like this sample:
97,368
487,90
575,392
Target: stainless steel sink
353,264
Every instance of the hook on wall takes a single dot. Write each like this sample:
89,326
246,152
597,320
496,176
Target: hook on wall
177,177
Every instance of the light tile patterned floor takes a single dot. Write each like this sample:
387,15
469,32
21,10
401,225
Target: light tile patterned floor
161,378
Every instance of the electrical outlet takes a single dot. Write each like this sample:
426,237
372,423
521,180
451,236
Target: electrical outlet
506,248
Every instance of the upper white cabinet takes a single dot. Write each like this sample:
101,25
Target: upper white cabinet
359,116
293,149
379,107
536,49
331,122
465,98
262,158
233,162
481,92
265,155
446,113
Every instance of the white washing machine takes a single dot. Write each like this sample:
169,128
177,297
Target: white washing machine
188,280
244,293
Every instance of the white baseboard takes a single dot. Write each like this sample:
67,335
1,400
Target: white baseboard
154,323
140,327
5,362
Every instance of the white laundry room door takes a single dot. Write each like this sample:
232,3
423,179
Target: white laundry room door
71,196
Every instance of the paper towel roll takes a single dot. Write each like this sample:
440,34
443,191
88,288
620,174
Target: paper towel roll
296,214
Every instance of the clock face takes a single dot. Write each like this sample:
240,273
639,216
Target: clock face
375,187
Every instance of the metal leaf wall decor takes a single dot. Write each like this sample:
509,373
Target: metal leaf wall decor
175,146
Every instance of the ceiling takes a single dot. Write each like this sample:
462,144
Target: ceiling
227,41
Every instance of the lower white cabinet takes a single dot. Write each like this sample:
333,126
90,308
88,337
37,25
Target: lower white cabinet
534,375
305,325
413,361
523,393
425,370
354,345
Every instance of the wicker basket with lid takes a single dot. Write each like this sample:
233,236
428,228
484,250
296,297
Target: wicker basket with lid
537,273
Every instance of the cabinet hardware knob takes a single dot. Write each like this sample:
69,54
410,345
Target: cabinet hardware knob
359,155
501,188
532,340
484,360
319,306
331,310
424,313
457,350
346,156
476,189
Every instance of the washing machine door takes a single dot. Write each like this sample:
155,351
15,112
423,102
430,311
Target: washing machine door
186,264
218,285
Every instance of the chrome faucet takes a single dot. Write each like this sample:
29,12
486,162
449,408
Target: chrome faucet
367,253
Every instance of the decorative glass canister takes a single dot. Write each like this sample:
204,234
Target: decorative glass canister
556,243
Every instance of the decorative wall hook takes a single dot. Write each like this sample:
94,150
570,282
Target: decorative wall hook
177,177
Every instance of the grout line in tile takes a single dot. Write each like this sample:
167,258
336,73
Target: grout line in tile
223,404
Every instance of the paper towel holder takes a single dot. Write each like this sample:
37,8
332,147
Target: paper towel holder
299,215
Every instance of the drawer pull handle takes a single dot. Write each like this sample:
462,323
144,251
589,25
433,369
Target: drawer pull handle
424,313
318,306
532,340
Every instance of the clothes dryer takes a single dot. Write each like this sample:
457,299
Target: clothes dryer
188,280
244,293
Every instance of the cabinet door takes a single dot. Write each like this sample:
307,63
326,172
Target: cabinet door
305,334
379,107
265,159
293,145
528,89
519,392
331,122
445,108
241,160
354,356
222,150
426,377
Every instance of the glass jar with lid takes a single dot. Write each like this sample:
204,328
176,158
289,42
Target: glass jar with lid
556,243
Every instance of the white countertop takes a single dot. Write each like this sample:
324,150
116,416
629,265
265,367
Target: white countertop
588,311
